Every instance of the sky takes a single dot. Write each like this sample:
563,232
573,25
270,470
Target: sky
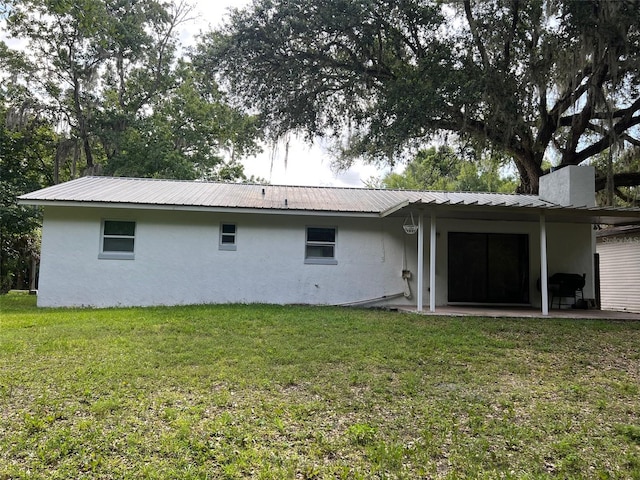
300,164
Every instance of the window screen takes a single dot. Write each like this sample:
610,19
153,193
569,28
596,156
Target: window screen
320,243
118,239
118,236
228,235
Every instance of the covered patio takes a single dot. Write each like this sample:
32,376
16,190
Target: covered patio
445,206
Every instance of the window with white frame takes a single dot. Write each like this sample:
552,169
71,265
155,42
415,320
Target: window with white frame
320,245
118,239
228,234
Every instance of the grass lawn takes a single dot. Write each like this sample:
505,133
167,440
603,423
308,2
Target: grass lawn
302,392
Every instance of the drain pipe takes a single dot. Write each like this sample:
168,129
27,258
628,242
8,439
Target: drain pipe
370,300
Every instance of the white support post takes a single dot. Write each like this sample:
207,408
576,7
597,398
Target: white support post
420,301
432,265
544,277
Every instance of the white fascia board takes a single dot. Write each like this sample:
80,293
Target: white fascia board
196,208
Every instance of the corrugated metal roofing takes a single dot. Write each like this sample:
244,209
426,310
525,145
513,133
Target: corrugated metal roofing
176,194
232,195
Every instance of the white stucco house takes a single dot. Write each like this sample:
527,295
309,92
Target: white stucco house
126,242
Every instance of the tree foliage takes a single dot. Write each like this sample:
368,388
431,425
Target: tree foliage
442,169
25,165
531,79
624,167
189,134
107,74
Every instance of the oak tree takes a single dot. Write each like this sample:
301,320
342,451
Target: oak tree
534,79
112,77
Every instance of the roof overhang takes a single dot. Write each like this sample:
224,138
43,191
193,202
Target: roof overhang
619,230
197,208
555,214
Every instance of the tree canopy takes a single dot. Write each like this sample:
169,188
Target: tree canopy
442,169
25,165
535,79
111,78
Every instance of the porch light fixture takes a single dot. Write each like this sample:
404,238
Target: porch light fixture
409,224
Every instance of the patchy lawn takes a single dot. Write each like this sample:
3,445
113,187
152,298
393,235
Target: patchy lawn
303,392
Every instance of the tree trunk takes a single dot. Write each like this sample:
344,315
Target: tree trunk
56,166
83,132
76,155
530,171
87,150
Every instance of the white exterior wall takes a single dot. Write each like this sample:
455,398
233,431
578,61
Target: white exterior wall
570,249
620,272
177,260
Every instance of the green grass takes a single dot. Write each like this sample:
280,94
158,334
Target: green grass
273,392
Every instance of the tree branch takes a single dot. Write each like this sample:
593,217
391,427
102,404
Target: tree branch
624,112
480,129
576,158
473,26
515,4
624,179
627,198
606,133
583,118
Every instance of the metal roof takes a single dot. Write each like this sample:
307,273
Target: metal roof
196,195
237,195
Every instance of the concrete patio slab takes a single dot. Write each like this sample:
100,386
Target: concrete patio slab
515,312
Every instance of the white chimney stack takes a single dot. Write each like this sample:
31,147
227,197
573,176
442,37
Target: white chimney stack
571,186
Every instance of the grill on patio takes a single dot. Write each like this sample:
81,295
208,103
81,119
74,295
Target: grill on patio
566,285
